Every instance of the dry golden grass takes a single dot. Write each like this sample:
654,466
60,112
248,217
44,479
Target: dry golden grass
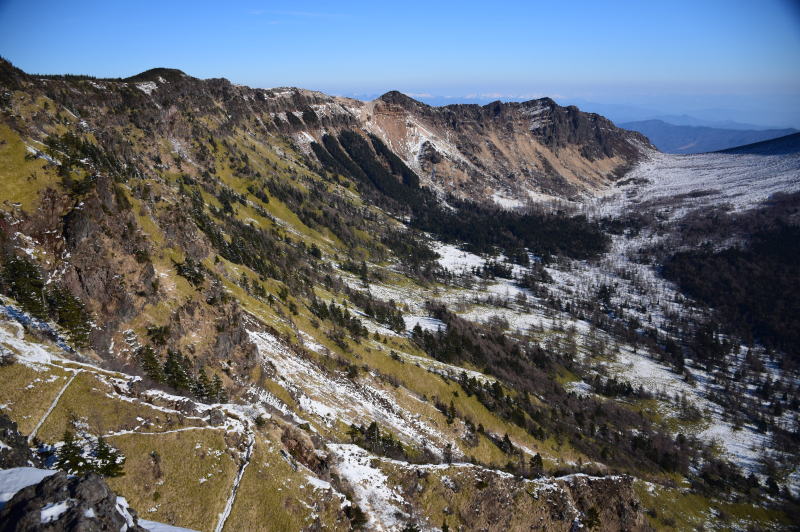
22,179
87,399
268,496
172,492
26,394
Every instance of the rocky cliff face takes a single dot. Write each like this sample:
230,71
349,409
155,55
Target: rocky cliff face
163,121
506,150
491,501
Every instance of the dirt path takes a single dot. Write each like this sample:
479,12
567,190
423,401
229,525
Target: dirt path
52,406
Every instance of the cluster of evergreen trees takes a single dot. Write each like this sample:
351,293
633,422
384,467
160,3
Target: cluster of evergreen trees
21,279
416,257
89,455
534,277
191,270
606,430
385,312
264,251
372,439
492,269
177,371
614,387
340,317
73,150
755,289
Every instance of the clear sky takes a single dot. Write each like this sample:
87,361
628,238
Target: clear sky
643,52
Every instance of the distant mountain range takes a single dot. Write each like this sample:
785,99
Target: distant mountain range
688,120
671,138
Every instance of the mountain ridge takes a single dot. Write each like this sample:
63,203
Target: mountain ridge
517,150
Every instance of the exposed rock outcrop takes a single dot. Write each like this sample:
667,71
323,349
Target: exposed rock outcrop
513,150
61,503
14,451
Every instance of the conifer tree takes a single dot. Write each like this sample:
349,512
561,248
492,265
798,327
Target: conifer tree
217,390
353,432
536,465
508,447
175,371
448,453
109,461
70,455
150,364
203,388
372,435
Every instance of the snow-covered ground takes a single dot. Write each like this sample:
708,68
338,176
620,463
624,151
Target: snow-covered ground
425,322
382,503
15,479
506,202
744,446
331,399
457,260
708,179
153,526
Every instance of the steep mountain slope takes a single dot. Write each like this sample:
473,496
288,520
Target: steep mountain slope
242,292
671,138
510,150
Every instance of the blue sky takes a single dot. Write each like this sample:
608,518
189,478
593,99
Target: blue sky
679,55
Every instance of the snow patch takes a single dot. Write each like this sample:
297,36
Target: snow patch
382,503
153,526
17,478
53,511
147,87
506,202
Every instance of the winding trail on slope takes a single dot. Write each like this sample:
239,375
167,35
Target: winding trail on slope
52,406
226,512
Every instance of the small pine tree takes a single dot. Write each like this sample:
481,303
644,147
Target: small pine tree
451,413
372,437
448,453
218,390
150,364
203,388
356,515
354,433
536,465
175,371
71,314
24,283
508,447
69,456
592,519
109,461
